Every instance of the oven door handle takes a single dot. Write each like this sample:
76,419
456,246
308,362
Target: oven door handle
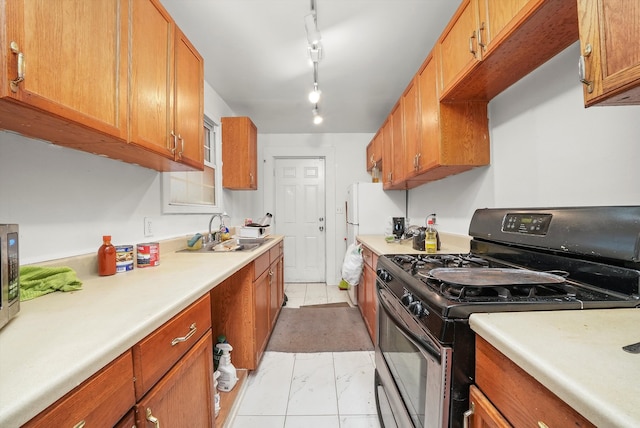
415,334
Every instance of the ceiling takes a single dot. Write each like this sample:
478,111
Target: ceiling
256,57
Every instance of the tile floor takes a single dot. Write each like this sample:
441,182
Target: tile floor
323,390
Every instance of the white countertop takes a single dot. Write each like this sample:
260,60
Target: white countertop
577,355
450,244
59,340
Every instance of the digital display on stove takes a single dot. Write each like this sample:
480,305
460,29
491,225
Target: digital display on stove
530,224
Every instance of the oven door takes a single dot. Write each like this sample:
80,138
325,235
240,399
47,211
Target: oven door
412,369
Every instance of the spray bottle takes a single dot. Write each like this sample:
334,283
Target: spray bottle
228,376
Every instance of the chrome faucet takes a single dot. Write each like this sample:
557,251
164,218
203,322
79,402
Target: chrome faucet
219,215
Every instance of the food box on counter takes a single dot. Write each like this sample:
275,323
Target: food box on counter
253,231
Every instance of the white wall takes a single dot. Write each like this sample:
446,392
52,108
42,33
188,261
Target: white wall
64,200
546,150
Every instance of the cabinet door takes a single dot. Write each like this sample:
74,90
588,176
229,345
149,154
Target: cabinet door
188,102
397,142
276,290
74,59
262,324
152,37
184,396
459,50
609,34
387,154
496,16
239,153
411,126
100,401
429,148
482,413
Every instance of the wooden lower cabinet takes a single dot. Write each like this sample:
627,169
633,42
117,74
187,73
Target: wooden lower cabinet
483,414
184,396
519,399
366,292
102,400
129,421
245,307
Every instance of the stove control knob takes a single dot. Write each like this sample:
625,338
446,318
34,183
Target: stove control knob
384,275
407,299
416,308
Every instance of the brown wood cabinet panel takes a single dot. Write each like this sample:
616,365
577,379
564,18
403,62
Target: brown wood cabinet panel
483,413
387,153
154,355
167,88
398,144
411,125
610,30
86,44
232,314
261,264
102,400
262,322
366,292
521,399
549,25
129,420
188,102
184,396
428,151
458,44
239,154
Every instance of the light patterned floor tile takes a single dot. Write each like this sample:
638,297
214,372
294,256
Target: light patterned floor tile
326,421
258,421
354,383
313,390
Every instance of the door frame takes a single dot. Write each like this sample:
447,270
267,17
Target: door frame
328,153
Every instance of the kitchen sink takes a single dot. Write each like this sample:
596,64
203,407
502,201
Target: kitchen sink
231,245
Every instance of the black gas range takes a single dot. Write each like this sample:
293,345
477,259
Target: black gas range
519,260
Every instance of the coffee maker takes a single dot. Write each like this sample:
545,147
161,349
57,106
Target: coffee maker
398,227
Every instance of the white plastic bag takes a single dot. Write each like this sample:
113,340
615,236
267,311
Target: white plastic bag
352,265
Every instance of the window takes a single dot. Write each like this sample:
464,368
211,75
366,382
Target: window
196,192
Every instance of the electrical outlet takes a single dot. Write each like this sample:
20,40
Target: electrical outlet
148,226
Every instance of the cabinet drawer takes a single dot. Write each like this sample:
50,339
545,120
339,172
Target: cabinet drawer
275,252
521,399
157,353
260,265
100,401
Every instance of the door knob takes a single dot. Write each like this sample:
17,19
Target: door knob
321,228
321,219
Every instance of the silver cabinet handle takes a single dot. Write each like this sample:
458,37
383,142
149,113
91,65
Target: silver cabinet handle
480,30
80,424
582,68
14,83
181,145
192,331
152,419
467,415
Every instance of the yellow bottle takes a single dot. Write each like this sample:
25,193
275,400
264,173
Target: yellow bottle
431,238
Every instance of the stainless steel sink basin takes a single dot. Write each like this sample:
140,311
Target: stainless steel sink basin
227,247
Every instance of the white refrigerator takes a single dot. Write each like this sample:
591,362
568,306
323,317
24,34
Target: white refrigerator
369,211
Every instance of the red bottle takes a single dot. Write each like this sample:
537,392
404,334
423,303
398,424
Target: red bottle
106,257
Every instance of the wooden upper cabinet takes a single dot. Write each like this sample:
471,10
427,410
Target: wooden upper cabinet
454,137
398,144
491,44
72,56
189,102
374,151
167,93
411,126
609,34
239,154
459,44
387,153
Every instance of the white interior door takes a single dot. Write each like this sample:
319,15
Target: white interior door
300,217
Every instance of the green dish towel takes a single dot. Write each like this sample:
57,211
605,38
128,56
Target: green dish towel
37,281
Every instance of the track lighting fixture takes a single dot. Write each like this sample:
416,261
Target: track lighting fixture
317,119
315,54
